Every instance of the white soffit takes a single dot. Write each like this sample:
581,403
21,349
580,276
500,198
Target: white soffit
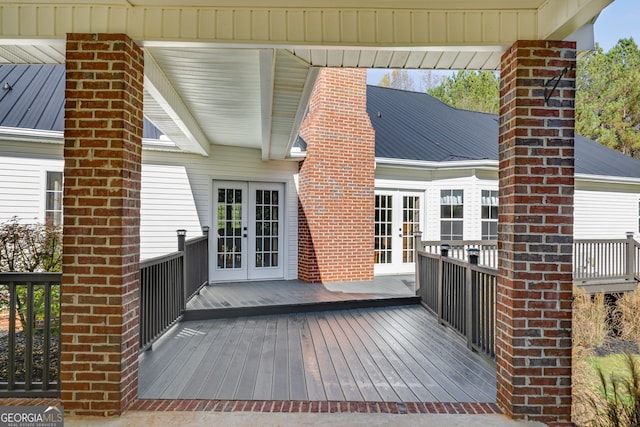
237,72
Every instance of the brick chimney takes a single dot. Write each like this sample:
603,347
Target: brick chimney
336,181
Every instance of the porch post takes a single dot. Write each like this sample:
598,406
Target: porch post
100,280
533,331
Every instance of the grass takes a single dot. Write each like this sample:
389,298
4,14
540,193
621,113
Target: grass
606,388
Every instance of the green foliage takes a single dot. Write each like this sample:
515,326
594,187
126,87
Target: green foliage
617,400
608,97
30,248
470,90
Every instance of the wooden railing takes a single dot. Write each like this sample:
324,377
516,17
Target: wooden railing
196,265
606,259
459,249
167,283
462,295
593,260
30,345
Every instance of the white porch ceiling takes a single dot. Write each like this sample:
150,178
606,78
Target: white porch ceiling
239,72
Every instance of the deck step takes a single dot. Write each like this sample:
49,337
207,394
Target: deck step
231,312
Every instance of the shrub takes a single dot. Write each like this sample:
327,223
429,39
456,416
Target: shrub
29,247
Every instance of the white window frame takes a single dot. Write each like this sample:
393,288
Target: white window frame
492,198
451,197
56,193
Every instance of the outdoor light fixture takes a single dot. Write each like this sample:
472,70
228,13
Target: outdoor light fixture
7,86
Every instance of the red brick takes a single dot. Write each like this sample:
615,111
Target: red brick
536,198
89,292
336,183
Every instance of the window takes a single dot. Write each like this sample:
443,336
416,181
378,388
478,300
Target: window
53,199
451,214
489,215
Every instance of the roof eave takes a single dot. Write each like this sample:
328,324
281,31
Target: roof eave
486,164
57,137
607,178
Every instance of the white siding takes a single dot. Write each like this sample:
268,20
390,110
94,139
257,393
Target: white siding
176,190
605,211
602,210
23,170
431,183
190,188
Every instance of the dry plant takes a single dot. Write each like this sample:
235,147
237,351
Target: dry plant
628,313
589,319
582,386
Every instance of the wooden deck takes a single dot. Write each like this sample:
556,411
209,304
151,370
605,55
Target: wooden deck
287,292
391,354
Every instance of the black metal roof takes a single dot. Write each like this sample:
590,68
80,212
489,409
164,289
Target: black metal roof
36,98
417,126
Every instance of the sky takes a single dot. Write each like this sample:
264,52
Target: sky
621,19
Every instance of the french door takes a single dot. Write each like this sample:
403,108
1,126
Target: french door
398,215
248,242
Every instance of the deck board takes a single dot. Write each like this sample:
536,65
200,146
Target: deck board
264,379
283,292
374,354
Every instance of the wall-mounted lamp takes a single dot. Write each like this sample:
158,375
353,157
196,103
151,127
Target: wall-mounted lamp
7,86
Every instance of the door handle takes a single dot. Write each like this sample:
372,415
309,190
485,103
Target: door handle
244,235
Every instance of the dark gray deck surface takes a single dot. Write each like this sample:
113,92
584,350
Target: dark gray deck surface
284,292
377,354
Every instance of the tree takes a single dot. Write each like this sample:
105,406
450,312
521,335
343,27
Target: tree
415,80
398,79
608,97
30,248
470,90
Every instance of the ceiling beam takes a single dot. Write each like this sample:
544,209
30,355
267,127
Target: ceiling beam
558,19
312,76
404,24
160,88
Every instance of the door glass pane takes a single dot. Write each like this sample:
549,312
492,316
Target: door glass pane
266,224
229,222
410,224
383,227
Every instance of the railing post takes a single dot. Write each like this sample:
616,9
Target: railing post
182,236
444,249
468,304
439,287
417,246
474,254
631,259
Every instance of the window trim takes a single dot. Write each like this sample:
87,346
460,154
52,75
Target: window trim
58,205
451,219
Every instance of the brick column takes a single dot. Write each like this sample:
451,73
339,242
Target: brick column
336,181
100,280
533,332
